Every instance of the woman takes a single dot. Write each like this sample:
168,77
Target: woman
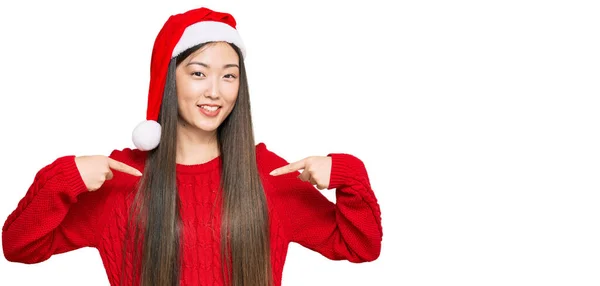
197,202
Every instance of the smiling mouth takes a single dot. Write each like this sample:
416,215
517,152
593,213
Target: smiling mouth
210,111
209,108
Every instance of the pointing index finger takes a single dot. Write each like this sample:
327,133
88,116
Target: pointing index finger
288,168
120,166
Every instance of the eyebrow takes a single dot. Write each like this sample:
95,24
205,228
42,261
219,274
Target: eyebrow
207,66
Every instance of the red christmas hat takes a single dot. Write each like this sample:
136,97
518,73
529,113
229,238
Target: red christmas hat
180,32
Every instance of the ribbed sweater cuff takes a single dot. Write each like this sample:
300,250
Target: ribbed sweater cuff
344,169
66,177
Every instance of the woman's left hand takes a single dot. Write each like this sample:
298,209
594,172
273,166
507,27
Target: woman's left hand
317,170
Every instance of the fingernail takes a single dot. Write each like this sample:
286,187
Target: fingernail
139,173
273,173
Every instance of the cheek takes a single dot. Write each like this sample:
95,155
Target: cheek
230,92
188,90
186,99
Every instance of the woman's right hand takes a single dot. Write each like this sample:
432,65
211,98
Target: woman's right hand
95,170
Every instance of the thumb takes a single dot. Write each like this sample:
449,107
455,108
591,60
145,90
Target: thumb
109,175
305,176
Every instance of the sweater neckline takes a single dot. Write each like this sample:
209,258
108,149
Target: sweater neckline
212,164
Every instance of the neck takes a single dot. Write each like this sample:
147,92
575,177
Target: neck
195,146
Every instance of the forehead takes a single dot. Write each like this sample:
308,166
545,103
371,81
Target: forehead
219,52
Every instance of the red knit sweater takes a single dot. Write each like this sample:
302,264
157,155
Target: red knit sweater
58,214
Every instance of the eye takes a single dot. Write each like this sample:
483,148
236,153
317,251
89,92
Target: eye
199,74
231,76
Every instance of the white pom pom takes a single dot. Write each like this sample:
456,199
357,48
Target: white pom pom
146,135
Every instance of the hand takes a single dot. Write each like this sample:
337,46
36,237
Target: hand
95,170
317,170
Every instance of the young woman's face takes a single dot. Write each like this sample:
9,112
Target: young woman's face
207,86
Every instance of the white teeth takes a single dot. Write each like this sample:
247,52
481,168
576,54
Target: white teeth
209,108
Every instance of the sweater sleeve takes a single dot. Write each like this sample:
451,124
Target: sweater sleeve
56,215
349,229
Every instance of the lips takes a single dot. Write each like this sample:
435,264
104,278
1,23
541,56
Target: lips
210,107
209,110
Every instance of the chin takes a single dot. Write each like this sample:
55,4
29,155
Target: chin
208,127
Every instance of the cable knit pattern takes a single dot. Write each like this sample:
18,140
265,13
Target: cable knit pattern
58,214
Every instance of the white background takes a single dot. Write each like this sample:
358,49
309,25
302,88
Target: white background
478,122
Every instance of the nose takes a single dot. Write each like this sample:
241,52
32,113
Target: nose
213,89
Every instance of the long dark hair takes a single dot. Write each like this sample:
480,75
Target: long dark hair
154,212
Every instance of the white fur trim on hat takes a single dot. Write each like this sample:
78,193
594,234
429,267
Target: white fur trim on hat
208,31
146,135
